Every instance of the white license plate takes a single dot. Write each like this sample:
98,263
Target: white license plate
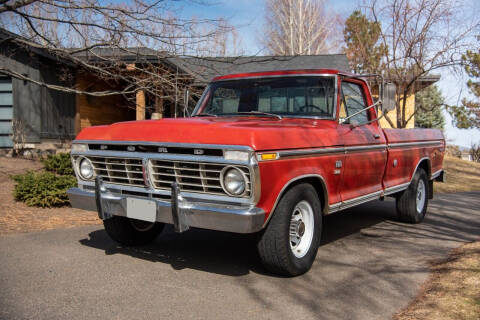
141,209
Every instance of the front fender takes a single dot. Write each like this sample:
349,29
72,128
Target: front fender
277,175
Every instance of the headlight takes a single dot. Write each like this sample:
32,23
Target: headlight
234,181
79,147
85,169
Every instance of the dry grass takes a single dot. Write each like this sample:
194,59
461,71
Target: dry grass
462,176
453,291
18,217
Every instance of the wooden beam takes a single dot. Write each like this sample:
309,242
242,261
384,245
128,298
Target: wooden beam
140,104
158,113
80,84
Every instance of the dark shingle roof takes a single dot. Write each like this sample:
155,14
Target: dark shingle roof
129,54
201,69
205,69
7,37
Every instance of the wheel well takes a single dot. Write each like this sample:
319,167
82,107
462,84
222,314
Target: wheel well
425,165
319,186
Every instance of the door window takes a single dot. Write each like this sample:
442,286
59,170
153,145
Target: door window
352,102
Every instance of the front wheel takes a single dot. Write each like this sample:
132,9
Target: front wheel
132,232
412,203
288,246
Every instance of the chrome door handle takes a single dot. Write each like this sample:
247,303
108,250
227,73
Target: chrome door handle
376,136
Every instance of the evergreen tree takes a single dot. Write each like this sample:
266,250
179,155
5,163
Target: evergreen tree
428,104
472,67
361,37
467,115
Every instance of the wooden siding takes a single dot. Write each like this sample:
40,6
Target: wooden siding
26,95
43,112
409,109
58,108
94,111
392,115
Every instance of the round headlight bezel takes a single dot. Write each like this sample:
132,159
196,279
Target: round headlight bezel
223,175
79,168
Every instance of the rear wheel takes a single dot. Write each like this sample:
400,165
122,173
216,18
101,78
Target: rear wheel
412,203
288,246
132,232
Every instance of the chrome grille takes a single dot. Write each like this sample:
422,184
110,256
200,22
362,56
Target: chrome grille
125,171
201,177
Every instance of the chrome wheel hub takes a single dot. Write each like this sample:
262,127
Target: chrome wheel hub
301,229
421,196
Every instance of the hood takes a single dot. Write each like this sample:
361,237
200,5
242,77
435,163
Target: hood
258,133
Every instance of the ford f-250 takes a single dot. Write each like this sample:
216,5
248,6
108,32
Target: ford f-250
268,153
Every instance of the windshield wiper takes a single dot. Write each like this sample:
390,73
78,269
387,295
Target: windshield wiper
261,114
206,115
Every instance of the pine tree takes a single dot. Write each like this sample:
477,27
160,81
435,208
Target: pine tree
428,105
361,37
472,67
467,115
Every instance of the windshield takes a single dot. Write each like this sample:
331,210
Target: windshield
299,96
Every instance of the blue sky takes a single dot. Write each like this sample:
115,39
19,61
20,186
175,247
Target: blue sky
248,16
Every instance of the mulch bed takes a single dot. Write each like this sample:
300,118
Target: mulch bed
18,217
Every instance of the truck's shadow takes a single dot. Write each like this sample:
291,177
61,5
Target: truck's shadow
228,253
451,218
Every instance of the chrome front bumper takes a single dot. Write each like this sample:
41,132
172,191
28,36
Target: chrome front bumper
180,212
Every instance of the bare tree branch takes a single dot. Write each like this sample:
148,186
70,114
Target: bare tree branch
421,36
15,5
126,44
300,27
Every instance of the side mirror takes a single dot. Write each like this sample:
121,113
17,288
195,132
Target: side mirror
388,97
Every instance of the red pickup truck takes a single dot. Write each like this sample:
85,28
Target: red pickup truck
268,153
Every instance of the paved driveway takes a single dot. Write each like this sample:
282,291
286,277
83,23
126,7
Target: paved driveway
369,267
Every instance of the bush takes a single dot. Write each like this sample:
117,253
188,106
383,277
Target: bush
43,189
59,163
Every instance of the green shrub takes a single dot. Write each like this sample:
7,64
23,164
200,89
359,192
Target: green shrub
43,189
59,163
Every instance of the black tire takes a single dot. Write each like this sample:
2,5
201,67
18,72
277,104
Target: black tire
274,242
131,232
407,200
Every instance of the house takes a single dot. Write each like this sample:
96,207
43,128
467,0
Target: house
32,112
40,117
196,74
419,85
466,155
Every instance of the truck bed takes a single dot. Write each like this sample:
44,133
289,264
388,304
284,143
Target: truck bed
407,148
412,135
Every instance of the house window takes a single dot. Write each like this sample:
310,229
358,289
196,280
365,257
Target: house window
6,112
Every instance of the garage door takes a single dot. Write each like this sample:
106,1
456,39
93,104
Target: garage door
6,112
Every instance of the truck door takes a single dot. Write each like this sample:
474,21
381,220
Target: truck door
364,142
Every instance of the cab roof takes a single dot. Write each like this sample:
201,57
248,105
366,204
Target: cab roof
282,73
